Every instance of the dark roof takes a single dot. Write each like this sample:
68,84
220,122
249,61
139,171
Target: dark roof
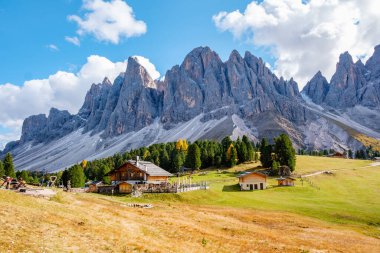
253,172
148,167
283,178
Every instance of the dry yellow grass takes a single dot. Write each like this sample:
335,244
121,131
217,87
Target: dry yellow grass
95,223
368,141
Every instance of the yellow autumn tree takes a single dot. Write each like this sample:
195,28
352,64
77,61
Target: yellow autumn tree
229,151
84,164
182,145
178,145
185,145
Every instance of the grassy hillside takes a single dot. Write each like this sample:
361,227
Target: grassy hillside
351,196
343,216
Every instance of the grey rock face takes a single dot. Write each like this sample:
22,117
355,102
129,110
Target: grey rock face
39,128
345,84
317,88
352,84
33,127
138,104
373,65
95,103
203,83
111,102
60,123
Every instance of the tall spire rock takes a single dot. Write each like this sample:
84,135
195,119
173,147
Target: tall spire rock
94,103
317,88
345,84
373,65
138,104
352,84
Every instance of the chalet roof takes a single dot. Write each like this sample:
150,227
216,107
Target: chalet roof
283,178
249,173
94,183
148,167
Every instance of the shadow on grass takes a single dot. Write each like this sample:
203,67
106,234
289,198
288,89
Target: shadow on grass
231,188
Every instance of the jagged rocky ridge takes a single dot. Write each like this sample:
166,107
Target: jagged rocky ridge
354,89
203,97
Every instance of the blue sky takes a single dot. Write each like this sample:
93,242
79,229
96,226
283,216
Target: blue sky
173,29
52,51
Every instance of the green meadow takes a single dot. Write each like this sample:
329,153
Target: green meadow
350,196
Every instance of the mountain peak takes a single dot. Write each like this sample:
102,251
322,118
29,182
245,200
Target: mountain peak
345,59
235,56
106,81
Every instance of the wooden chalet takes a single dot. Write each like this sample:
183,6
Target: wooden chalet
138,172
252,181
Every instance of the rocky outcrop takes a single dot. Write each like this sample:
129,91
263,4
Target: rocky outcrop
138,104
42,129
317,88
95,103
352,84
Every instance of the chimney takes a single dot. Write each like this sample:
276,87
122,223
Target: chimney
137,160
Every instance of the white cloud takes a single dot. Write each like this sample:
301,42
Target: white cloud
63,90
307,37
52,47
108,21
73,40
150,68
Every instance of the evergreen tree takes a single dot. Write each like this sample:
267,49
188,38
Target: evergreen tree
266,154
77,177
2,172
194,156
177,161
218,161
285,153
243,157
250,151
275,168
24,175
104,170
350,154
226,143
9,169
164,159
65,177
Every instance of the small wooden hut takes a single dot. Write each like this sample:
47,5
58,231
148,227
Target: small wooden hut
286,181
252,181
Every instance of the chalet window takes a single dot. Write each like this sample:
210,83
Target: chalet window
132,174
140,174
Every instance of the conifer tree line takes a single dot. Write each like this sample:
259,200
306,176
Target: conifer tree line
171,156
363,154
280,153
